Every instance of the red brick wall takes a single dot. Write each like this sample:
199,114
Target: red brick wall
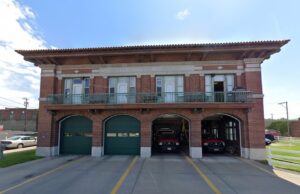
295,128
100,85
255,125
145,84
17,113
47,86
194,83
47,135
240,81
253,82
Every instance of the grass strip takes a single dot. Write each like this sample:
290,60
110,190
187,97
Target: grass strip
17,158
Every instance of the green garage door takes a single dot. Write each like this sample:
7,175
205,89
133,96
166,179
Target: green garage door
76,135
122,136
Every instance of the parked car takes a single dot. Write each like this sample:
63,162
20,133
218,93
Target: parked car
19,141
267,141
167,141
212,144
270,136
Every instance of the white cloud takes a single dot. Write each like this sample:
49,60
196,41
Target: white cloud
18,78
182,15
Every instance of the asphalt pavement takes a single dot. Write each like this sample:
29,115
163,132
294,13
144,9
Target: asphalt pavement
129,174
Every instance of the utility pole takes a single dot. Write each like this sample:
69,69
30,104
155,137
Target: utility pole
285,105
272,118
25,113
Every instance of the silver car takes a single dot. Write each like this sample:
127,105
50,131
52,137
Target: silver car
19,141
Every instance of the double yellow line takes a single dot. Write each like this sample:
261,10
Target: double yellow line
41,175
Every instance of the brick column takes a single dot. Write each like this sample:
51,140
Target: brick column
100,84
153,85
187,83
91,85
146,83
239,81
97,142
195,83
47,144
195,138
145,135
138,85
256,126
202,83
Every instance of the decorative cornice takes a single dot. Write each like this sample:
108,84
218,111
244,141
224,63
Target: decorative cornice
253,60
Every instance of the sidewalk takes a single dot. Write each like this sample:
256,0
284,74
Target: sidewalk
19,150
292,177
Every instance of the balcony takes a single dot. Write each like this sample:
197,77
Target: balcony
152,98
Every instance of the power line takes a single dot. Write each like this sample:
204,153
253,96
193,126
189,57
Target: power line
11,100
10,106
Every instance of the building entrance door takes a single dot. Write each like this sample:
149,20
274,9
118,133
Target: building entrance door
169,89
122,93
77,94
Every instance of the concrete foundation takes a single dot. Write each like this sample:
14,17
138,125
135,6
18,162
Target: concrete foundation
47,151
97,151
196,152
145,152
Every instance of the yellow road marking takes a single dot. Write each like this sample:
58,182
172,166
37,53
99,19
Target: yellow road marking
123,177
206,179
40,176
256,166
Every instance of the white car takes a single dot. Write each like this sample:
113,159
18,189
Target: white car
19,141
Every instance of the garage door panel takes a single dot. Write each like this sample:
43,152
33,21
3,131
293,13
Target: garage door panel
128,146
76,136
122,136
77,145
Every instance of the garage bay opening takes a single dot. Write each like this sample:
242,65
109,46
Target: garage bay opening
170,134
220,134
122,135
76,135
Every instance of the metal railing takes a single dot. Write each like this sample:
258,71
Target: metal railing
280,156
166,97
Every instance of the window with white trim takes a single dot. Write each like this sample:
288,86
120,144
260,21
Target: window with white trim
211,80
76,86
169,84
122,85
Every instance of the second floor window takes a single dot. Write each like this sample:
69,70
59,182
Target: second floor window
122,85
11,115
122,89
22,117
76,86
169,84
76,90
218,86
170,88
219,83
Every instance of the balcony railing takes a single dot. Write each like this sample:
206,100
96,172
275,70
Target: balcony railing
167,97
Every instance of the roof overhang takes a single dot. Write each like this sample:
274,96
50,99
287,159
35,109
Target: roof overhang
154,53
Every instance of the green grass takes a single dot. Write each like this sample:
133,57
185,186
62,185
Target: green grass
285,145
291,147
17,158
293,168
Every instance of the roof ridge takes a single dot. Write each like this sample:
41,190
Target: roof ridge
283,41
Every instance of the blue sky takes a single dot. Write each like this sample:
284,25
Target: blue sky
93,23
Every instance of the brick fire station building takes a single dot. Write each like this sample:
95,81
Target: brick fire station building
112,100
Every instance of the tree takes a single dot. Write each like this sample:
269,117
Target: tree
280,125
